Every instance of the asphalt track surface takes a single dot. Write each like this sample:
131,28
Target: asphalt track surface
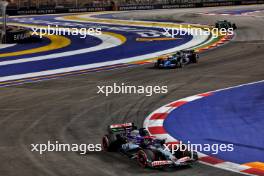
69,110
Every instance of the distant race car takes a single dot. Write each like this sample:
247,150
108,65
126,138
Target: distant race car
177,60
147,150
225,24
15,34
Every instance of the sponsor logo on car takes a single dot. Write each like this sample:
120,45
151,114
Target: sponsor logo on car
160,163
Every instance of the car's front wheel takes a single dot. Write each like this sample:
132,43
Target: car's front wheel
144,157
195,59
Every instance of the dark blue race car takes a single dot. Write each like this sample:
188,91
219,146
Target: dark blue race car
177,60
147,150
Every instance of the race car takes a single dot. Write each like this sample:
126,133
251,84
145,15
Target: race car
225,24
188,56
177,60
147,150
119,134
15,34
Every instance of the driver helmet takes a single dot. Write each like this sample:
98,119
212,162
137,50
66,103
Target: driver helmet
134,133
170,57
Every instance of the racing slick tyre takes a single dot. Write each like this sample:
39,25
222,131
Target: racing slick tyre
234,26
194,60
112,143
217,25
106,143
158,63
144,157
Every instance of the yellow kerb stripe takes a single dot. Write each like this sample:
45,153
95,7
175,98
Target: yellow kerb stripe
57,42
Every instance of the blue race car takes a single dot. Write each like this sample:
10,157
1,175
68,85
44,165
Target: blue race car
147,150
224,24
177,60
172,61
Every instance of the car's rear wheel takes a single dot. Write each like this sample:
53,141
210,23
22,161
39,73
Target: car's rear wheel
217,26
158,63
234,26
105,143
112,142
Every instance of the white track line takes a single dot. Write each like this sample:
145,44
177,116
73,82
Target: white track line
2,46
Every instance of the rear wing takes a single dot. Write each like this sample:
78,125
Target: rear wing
121,127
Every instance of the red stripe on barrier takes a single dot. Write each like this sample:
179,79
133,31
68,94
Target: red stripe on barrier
211,160
157,130
158,116
254,171
205,94
177,103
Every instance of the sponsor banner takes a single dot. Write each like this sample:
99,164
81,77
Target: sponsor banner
56,11
137,7
211,4
252,2
174,6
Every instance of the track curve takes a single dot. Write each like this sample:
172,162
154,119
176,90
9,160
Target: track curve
69,110
76,52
